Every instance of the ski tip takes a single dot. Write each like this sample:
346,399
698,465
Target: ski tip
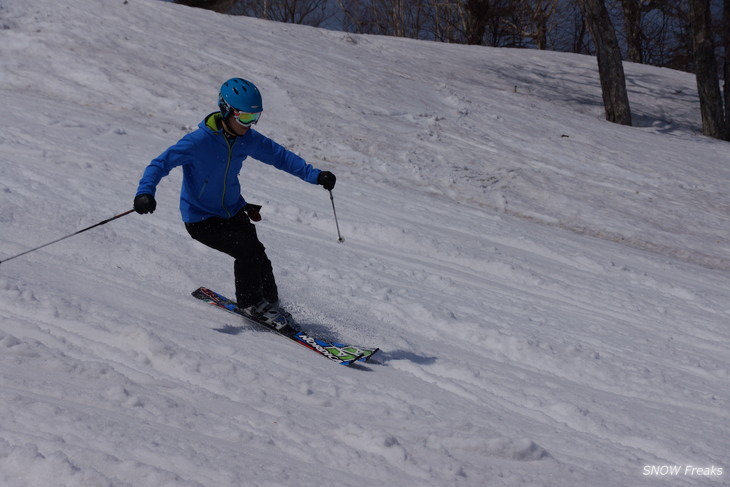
198,291
367,359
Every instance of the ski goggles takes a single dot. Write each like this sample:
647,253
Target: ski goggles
246,118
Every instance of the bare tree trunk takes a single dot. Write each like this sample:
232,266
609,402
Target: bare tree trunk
579,36
610,65
398,18
726,66
708,85
632,25
533,20
541,27
477,12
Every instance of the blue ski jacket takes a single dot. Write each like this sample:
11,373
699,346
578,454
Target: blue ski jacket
211,164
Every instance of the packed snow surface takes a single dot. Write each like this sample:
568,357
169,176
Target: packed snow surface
551,292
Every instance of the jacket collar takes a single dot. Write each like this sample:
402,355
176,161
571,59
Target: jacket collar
213,122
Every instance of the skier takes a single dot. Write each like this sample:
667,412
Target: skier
212,206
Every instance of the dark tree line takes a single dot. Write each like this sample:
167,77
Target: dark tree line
690,35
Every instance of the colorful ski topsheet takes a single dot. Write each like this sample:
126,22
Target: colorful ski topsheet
337,352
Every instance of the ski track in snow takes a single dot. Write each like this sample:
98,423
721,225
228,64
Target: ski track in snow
550,291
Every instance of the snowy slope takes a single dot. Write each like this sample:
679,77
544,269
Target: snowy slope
550,291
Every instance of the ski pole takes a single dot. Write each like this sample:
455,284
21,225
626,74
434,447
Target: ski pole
339,236
67,236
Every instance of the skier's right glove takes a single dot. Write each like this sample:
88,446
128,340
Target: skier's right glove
326,179
144,203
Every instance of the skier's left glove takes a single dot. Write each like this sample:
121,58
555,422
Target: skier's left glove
326,179
253,212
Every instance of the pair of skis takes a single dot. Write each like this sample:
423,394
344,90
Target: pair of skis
337,352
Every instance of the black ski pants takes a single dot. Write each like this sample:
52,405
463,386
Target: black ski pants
252,268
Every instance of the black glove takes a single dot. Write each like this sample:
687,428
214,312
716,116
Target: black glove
326,179
144,203
253,212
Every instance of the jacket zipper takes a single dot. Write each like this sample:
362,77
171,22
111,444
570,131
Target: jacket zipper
225,177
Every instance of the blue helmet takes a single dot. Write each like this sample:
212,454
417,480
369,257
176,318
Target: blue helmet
239,94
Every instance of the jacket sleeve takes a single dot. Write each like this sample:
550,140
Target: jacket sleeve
269,152
177,155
